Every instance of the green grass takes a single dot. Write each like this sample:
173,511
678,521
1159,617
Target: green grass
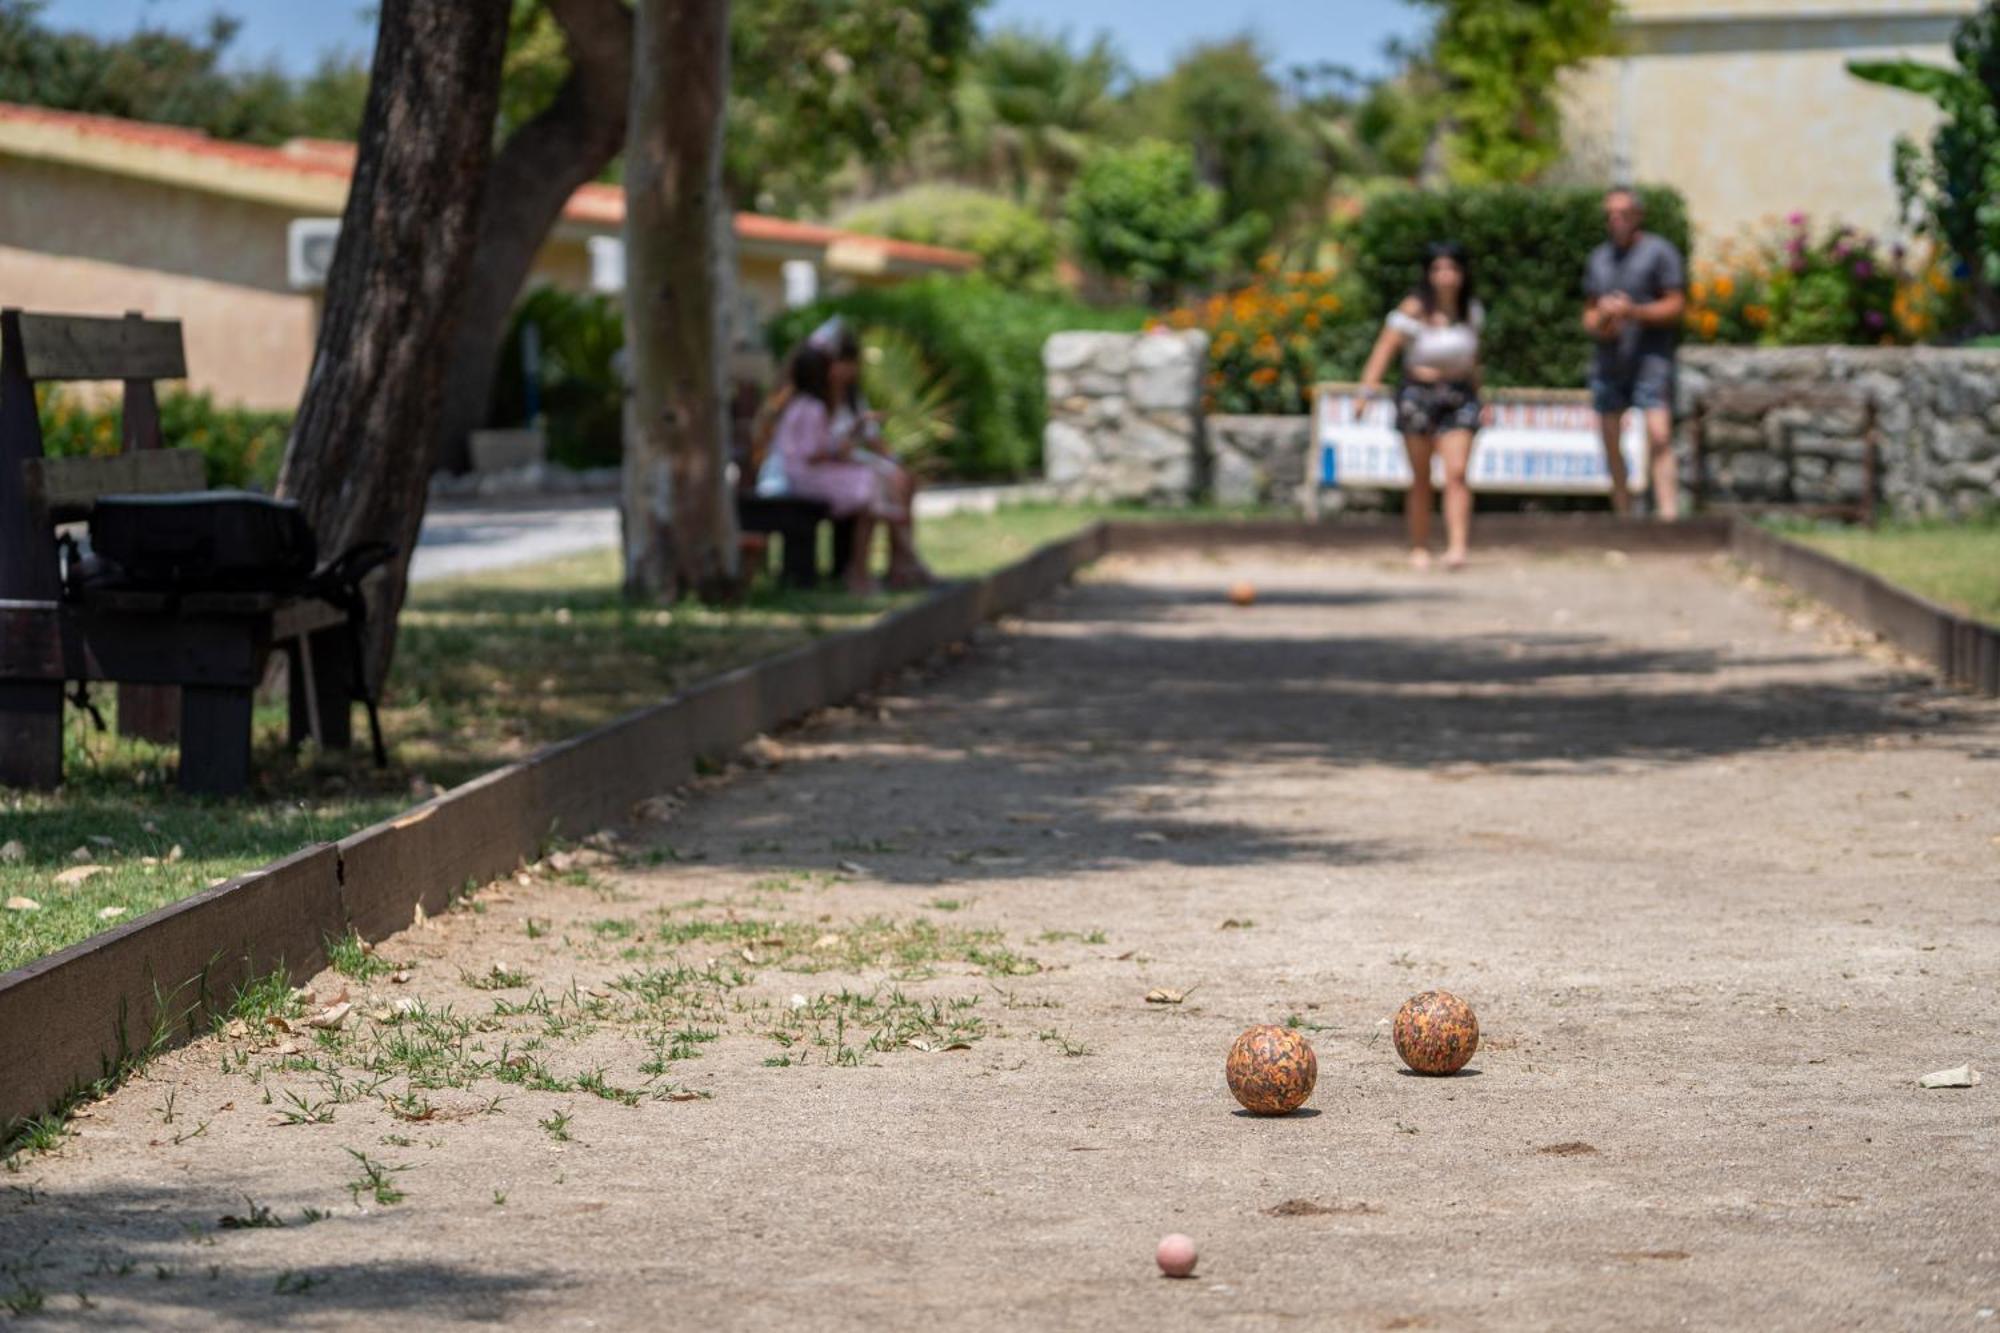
1954,564
488,668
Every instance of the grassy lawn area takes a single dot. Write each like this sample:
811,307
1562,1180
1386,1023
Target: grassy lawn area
1954,564
488,668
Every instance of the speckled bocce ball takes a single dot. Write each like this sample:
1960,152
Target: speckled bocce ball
1272,1070
1243,594
1436,1032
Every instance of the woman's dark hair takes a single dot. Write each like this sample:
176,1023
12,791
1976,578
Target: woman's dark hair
812,373
1427,294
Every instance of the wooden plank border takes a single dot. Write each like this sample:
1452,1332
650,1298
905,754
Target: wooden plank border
1964,651
81,1015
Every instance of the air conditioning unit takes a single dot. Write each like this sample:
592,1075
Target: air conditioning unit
309,244
607,264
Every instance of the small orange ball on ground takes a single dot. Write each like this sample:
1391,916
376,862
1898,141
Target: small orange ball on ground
1272,1070
1436,1032
1243,594
1176,1255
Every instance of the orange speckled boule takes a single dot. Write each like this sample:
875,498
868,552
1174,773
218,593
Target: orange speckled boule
1272,1070
1243,594
1436,1032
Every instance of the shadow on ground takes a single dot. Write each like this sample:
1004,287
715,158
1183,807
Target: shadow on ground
138,1255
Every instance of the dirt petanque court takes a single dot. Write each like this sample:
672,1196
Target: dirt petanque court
917,1017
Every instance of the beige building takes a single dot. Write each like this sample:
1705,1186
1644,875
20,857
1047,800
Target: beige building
1747,106
101,216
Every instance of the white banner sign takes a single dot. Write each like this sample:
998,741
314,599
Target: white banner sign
1543,444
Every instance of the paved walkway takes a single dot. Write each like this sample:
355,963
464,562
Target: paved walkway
1720,889
479,536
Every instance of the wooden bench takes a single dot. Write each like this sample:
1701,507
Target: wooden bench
187,664
796,523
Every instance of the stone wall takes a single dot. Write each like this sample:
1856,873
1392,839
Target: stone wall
1125,417
1257,460
1125,425
1937,415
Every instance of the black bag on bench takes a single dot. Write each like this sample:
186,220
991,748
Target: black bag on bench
204,541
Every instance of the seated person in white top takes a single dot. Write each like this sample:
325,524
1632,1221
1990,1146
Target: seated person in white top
1436,329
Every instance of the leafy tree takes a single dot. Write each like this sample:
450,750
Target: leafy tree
355,462
815,86
1248,141
1030,107
1143,214
1949,192
1015,247
164,77
1500,60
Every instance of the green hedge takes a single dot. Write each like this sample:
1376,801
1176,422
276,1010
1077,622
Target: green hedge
1528,249
988,341
241,446
582,399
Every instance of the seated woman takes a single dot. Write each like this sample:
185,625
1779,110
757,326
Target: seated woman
817,451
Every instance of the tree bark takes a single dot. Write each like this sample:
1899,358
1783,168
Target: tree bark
680,527
532,177
359,459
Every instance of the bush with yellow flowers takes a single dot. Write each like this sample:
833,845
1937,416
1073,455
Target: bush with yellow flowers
241,447
1271,341
1798,285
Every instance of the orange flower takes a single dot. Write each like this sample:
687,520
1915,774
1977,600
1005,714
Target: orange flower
1265,377
1725,287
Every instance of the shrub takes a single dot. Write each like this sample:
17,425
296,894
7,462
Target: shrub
1797,287
579,393
1015,247
1528,249
1271,341
1143,214
241,446
987,341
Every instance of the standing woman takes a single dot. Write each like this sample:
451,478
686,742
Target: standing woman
1436,329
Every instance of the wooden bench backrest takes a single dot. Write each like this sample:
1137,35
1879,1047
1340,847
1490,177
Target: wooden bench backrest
91,347
66,487
45,348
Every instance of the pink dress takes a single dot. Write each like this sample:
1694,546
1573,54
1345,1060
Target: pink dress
804,440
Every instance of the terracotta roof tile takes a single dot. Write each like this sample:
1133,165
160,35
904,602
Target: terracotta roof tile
593,205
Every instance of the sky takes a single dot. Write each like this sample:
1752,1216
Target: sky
1150,33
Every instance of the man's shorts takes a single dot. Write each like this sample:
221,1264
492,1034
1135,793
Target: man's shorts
1646,385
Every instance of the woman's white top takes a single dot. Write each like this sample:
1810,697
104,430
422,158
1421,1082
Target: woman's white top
1452,350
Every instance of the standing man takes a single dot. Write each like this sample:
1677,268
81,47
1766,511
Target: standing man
1635,287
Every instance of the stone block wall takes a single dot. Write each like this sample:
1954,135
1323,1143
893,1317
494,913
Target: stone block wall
1257,460
1937,416
1125,425
1125,418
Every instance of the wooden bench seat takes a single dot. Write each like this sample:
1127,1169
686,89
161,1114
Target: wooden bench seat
187,664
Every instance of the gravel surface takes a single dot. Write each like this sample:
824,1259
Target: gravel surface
857,1035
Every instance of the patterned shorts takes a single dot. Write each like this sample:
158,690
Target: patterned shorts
1436,409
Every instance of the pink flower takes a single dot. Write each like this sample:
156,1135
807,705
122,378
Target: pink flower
1796,219
1864,270
1873,319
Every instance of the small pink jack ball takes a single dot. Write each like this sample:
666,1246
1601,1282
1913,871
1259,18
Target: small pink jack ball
1176,1255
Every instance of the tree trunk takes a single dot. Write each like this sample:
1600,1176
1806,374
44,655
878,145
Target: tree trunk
680,527
533,175
359,459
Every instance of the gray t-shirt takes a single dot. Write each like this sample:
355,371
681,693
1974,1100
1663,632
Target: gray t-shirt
1646,272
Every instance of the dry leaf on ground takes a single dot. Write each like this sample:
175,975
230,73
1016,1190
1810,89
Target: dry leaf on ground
110,913
331,1018
78,874
1161,995
19,904
13,853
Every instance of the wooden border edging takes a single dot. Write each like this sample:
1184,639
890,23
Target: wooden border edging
78,1015
1965,651
1589,530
